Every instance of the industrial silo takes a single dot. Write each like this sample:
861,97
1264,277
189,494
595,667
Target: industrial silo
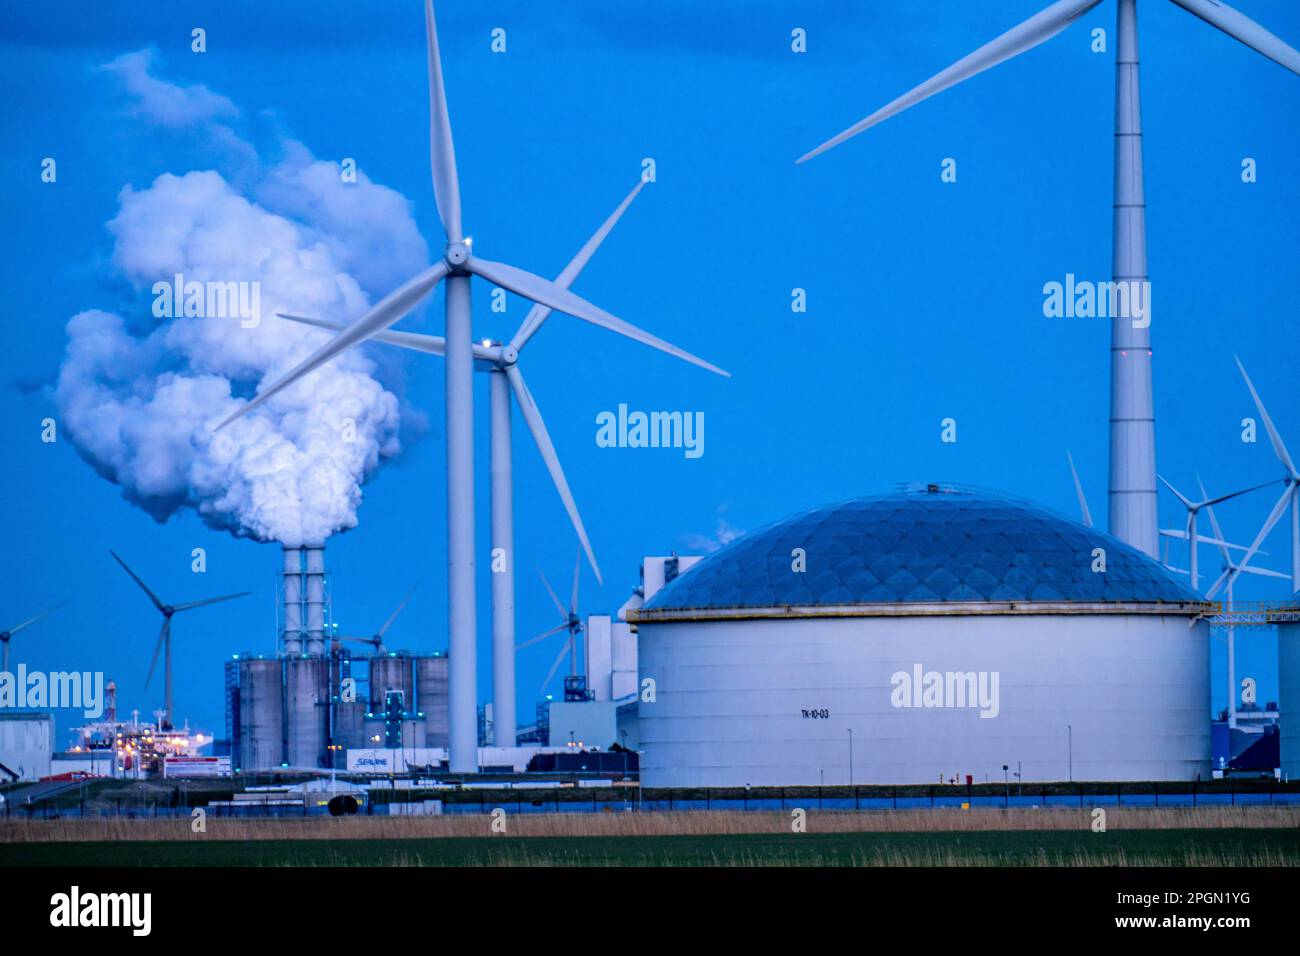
391,672
919,637
307,694
349,730
261,709
431,697
1287,618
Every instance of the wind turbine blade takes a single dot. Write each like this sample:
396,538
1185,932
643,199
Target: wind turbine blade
32,620
162,639
533,416
1187,502
442,154
1244,491
1219,582
538,313
554,597
559,659
1243,28
1039,28
393,617
1078,490
1279,448
391,308
1204,539
553,296
134,577
413,341
1219,539
206,601
577,566
1265,572
543,636
1278,510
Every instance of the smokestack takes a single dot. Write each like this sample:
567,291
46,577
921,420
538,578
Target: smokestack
315,603
291,634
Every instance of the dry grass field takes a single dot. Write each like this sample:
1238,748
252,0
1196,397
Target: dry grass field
1220,836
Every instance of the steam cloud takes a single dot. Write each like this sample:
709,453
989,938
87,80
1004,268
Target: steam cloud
140,407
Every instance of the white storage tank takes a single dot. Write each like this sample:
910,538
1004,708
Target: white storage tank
923,636
26,745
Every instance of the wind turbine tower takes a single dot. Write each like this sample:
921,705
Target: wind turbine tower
1133,516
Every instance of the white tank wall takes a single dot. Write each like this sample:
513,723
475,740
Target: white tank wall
1288,665
730,697
26,745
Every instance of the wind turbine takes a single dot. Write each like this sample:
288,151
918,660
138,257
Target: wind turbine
165,635
376,640
1230,573
7,636
505,376
569,621
1193,508
1133,506
457,266
1290,495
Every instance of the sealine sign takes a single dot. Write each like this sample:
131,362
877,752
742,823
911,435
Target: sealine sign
75,909
949,689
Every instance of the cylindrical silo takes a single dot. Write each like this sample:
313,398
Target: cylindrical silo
314,603
307,693
391,672
291,591
261,703
1288,667
349,732
431,699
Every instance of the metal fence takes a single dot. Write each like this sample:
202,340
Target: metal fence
631,799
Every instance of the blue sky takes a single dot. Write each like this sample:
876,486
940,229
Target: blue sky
924,298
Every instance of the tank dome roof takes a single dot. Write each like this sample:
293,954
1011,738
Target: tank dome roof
931,546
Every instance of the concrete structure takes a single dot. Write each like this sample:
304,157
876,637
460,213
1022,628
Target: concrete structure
291,632
26,745
922,636
611,658
259,713
307,707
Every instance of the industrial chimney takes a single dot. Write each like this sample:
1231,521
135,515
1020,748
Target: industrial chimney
291,635
314,604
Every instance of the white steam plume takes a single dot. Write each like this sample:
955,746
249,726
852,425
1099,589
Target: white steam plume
140,408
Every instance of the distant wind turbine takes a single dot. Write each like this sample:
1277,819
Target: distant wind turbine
7,636
165,635
1133,506
457,266
376,640
569,621
1230,573
1193,508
